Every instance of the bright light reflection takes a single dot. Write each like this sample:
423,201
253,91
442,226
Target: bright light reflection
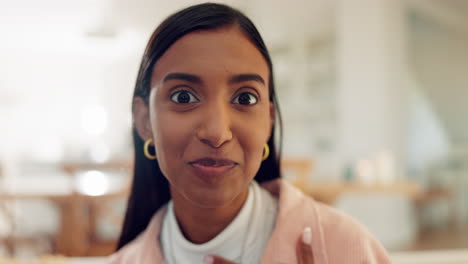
386,167
365,171
92,183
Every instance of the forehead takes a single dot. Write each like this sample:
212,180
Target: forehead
206,53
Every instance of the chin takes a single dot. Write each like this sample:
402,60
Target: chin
212,199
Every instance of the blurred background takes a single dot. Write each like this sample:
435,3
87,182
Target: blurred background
373,93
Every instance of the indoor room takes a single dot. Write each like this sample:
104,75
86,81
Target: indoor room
372,94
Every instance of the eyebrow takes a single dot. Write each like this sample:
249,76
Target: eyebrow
246,77
195,79
182,76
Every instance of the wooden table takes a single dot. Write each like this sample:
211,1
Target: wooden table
78,212
328,192
77,219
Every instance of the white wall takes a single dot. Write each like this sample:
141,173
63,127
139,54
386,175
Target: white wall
48,92
428,140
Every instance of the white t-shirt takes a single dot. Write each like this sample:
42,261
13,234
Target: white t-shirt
242,241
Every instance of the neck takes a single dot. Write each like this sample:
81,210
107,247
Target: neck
200,225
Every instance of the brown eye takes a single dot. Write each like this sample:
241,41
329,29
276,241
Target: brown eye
245,99
183,97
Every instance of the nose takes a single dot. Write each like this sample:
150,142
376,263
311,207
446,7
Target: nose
215,126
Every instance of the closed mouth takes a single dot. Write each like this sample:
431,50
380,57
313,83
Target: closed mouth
211,162
211,170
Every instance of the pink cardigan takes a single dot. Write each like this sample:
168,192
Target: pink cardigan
336,237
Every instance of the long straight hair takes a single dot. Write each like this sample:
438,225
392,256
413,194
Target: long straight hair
150,189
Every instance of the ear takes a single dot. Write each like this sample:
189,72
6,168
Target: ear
141,118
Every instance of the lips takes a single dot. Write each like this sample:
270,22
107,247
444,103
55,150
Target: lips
210,169
209,162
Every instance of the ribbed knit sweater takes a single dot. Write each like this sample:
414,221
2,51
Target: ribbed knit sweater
336,238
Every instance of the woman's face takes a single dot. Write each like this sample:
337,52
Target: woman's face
210,115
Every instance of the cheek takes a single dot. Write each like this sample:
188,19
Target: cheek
252,150
171,137
252,137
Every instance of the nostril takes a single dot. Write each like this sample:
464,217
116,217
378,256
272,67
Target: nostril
214,138
213,143
207,142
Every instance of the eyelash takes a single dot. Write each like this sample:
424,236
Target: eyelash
191,96
251,94
194,99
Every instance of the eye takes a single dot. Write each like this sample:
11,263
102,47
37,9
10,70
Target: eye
245,99
183,97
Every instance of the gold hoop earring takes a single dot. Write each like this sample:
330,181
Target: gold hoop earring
146,150
266,152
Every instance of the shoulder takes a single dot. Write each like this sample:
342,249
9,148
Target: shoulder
336,237
144,248
346,240
128,254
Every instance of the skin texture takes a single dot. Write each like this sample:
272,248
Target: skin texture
212,125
